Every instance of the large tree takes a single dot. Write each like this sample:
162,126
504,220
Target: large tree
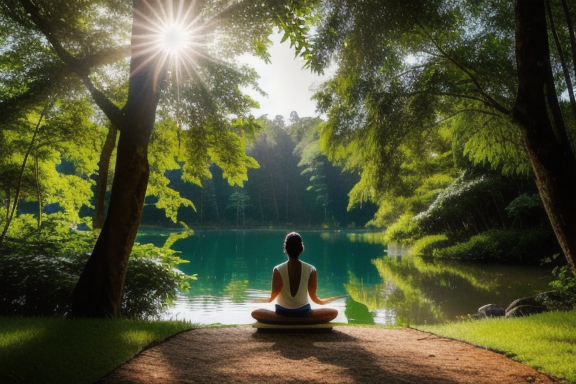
538,115
407,69
79,31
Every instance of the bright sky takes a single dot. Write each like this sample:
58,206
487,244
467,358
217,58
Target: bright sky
289,86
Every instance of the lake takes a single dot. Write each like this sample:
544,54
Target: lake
382,284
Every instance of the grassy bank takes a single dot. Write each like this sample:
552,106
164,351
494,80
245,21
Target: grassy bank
51,350
546,342
55,350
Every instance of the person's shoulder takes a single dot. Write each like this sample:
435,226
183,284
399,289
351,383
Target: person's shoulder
309,266
280,266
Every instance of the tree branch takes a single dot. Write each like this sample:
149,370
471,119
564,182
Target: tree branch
10,215
79,67
488,99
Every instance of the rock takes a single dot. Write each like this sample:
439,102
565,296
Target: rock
491,310
525,310
540,299
529,300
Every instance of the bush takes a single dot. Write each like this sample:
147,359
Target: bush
37,285
152,281
564,285
527,246
37,277
426,245
402,231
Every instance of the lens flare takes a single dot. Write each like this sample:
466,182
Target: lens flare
171,36
174,39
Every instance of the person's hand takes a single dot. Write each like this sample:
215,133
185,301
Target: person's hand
330,299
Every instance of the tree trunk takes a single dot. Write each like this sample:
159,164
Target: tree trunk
550,153
102,183
98,292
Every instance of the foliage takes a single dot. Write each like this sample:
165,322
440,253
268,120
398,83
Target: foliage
470,204
78,351
526,210
36,285
519,246
425,246
239,200
410,74
425,168
404,72
544,341
564,285
46,159
480,216
40,267
402,230
491,140
164,144
55,236
294,185
326,182
152,281
39,270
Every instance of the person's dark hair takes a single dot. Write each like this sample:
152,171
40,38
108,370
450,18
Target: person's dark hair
293,246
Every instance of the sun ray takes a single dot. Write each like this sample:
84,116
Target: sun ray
171,35
174,43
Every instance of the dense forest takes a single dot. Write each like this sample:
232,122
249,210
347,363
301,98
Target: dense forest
294,185
451,125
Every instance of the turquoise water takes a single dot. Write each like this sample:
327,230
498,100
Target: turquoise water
382,284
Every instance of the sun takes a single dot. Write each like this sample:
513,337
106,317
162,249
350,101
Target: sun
170,36
174,39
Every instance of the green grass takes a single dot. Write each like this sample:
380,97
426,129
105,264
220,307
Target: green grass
546,342
56,350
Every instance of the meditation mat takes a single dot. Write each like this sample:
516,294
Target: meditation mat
308,328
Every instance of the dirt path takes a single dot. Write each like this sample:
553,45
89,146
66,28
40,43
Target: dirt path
346,355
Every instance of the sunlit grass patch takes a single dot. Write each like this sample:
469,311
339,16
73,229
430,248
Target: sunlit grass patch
56,350
546,342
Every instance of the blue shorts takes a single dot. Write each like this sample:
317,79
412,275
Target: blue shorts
302,311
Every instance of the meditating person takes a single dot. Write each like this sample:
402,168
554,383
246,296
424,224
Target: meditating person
292,283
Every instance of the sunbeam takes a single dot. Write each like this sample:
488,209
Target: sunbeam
172,37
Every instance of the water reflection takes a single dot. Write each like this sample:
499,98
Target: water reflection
383,285
429,291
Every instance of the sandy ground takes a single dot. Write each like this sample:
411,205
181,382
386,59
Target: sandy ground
344,355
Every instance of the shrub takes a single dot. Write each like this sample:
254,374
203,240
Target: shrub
526,210
152,281
37,285
427,244
38,272
402,231
564,285
527,246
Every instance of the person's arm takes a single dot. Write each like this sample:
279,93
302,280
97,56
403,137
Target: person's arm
313,286
276,287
